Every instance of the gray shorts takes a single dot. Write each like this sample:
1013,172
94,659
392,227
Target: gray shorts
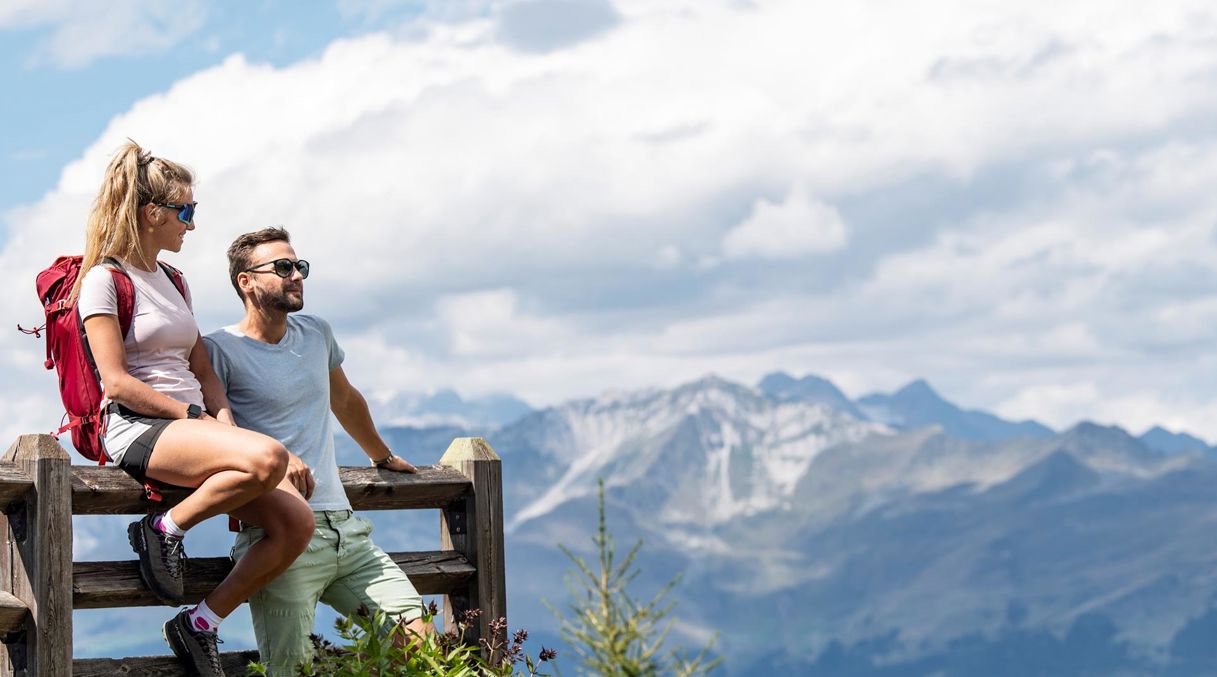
131,437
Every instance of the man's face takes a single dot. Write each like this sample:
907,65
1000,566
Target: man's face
266,288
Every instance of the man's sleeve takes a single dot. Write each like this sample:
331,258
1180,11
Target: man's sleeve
219,363
336,353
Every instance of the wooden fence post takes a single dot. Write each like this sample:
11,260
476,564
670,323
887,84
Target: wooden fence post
36,559
473,526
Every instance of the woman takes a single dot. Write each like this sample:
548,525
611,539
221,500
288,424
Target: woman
169,420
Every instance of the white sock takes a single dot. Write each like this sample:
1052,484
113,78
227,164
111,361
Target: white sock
166,525
203,618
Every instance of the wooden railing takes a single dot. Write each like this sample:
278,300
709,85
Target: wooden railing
40,585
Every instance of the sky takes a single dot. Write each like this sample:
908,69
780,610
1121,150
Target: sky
554,198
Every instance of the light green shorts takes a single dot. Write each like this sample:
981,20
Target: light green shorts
341,567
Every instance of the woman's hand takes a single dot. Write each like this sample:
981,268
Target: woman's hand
300,476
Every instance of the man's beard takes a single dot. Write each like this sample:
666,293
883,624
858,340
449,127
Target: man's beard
282,302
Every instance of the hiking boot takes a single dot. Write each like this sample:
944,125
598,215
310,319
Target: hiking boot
160,560
196,649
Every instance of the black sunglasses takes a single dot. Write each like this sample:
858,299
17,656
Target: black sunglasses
282,267
185,213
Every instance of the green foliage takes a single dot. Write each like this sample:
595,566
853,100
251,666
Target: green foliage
615,635
373,646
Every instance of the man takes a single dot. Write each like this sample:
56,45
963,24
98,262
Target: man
283,376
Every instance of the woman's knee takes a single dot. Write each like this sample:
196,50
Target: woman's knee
269,463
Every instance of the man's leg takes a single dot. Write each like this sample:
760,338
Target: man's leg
368,576
285,609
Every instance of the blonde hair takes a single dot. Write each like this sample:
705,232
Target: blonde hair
133,179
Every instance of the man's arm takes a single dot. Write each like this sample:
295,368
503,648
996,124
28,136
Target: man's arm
351,410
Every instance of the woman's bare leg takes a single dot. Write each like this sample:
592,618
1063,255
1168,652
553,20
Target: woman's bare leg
227,466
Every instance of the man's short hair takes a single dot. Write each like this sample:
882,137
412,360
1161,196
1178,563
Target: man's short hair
243,247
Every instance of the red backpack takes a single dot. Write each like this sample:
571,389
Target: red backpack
67,347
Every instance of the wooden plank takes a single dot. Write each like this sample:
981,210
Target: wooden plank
15,482
474,528
233,662
108,585
40,556
14,653
12,613
110,491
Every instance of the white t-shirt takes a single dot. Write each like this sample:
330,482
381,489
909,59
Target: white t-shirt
163,329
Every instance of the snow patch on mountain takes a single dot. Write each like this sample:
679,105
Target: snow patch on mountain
747,452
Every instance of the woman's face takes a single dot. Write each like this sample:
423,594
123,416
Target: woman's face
166,227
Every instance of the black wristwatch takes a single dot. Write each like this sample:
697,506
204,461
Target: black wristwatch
193,411
385,461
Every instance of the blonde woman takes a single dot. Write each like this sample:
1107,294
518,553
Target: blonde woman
168,418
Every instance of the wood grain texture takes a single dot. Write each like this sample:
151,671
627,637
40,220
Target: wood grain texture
234,663
474,528
14,483
108,585
12,613
39,557
110,491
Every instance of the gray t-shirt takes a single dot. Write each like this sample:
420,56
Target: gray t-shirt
283,390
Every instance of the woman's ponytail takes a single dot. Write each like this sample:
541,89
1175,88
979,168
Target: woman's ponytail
133,179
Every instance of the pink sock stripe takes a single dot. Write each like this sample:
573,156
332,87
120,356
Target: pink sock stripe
196,619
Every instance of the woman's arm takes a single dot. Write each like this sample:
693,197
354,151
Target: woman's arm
214,397
106,342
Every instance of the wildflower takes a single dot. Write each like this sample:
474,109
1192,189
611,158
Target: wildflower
547,654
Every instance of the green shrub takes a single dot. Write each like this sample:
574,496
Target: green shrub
373,646
614,634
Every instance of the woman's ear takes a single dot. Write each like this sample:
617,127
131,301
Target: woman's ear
147,213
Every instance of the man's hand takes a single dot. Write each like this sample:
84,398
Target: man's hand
300,476
399,464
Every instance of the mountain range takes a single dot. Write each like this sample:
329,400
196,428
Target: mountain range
895,534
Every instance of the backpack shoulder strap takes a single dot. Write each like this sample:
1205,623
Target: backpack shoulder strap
175,276
124,294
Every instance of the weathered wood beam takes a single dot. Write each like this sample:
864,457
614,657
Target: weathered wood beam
108,585
234,663
474,528
12,613
15,482
36,559
110,491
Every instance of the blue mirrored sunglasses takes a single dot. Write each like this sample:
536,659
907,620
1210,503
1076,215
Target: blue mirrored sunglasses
186,213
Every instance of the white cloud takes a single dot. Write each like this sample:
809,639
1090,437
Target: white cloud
1027,193
491,324
81,33
795,227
